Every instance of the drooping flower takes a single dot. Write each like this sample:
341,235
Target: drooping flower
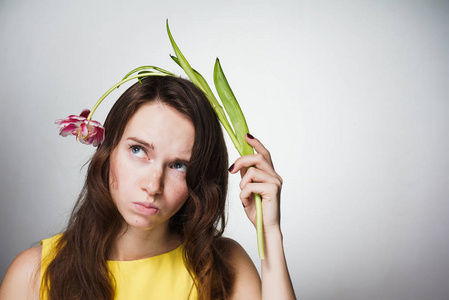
86,131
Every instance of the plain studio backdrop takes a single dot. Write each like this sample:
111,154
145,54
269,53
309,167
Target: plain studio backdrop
350,97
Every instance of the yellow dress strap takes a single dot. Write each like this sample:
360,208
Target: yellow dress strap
48,254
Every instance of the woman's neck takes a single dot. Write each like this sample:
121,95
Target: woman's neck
134,244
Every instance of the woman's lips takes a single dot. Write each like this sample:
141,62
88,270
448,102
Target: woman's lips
145,208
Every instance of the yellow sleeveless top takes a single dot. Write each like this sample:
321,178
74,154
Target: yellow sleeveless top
159,277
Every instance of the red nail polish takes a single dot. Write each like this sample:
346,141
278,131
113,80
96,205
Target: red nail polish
231,168
250,136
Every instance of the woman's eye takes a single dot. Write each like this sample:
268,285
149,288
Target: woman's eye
179,166
138,151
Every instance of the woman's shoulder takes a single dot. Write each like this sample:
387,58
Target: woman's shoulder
233,249
22,278
247,282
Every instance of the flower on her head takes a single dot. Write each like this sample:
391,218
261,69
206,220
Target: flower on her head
87,131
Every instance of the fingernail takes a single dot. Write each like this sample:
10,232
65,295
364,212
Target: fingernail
249,135
231,168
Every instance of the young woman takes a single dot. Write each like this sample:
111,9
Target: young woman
148,223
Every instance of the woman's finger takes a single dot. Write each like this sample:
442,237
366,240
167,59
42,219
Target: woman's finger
268,191
256,175
270,194
253,160
259,147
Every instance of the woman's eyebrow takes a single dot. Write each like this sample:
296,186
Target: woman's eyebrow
182,160
143,143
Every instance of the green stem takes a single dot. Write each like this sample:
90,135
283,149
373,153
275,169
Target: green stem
126,79
149,68
259,226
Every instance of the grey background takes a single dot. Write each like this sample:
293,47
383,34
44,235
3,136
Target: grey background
351,97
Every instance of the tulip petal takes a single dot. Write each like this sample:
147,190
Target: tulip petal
85,113
69,129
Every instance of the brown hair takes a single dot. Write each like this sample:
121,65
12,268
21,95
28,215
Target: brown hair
79,270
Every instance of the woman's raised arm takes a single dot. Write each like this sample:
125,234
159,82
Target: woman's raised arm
259,177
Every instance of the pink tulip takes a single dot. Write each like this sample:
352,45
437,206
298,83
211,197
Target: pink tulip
88,132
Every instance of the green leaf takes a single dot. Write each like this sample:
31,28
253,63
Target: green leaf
183,61
199,81
241,129
232,108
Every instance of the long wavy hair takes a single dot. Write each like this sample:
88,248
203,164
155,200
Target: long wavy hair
79,270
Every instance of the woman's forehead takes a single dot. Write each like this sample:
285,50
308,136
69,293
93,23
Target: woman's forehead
161,126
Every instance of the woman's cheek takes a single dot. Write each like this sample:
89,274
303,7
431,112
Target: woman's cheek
113,182
182,190
117,172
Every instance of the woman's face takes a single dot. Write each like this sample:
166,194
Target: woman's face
147,179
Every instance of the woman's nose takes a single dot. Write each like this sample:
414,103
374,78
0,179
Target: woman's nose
154,181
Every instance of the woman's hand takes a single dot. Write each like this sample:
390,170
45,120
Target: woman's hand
259,177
